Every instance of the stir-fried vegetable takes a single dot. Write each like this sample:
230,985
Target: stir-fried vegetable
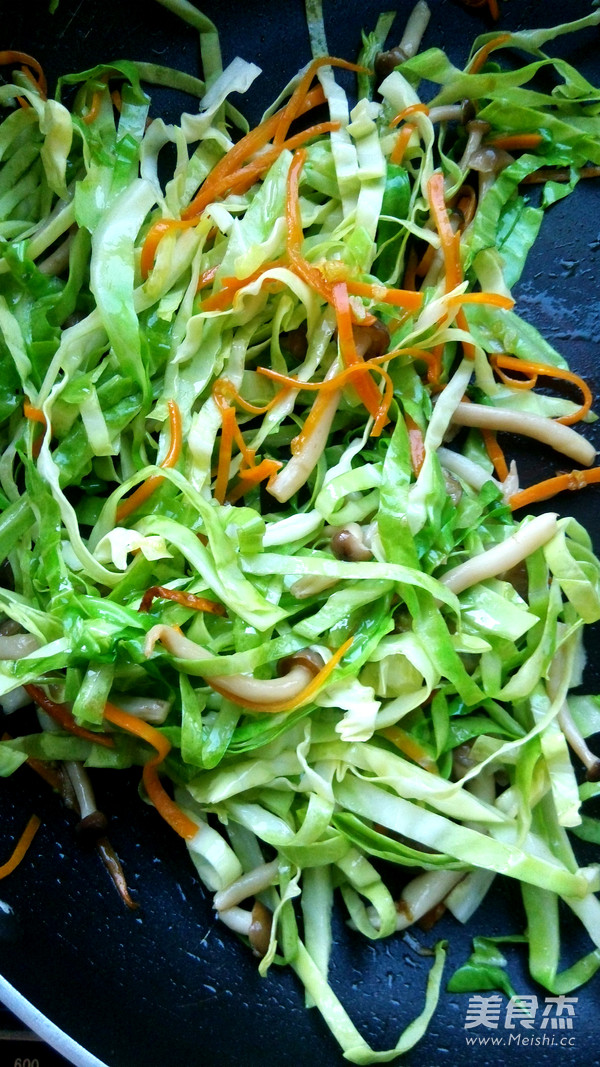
259,533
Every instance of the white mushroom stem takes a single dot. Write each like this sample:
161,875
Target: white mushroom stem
82,787
514,550
310,585
152,711
423,893
241,688
16,646
416,25
303,462
237,919
466,469
558,436
249,885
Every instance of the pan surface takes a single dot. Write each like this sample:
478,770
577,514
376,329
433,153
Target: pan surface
166,984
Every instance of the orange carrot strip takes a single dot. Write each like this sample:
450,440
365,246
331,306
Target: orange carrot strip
153,238
401,143
515,141
434,369
94,110
307,693
9,56
496,299
222,299
461,322
425,262
21,846
573,480
34,414
365,386
337,382
299,264
256,139
404,298
143,492
503,362
293,108
411,748
412,109
481,57
228,422
417,443
188,600
170,811
62,715
264,471
495,453
449,240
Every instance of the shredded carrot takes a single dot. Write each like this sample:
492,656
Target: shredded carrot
9,57
481,57
246,147
94,109
222,299
496,299
411,748
294,106
265,471
573,480
331,385
495,453
365,386
404,298
406,112
307,693
153,238
63,716
299,264
34,414
141,494
21,847
434,369
532,371
513,141
425,262
461,322
187,600
417,443
170,811
450,241
401,143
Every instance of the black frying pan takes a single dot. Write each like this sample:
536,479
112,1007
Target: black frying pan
167,985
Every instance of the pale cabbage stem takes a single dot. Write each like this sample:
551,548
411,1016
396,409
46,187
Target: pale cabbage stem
504,556
249,885
560,437
243,688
